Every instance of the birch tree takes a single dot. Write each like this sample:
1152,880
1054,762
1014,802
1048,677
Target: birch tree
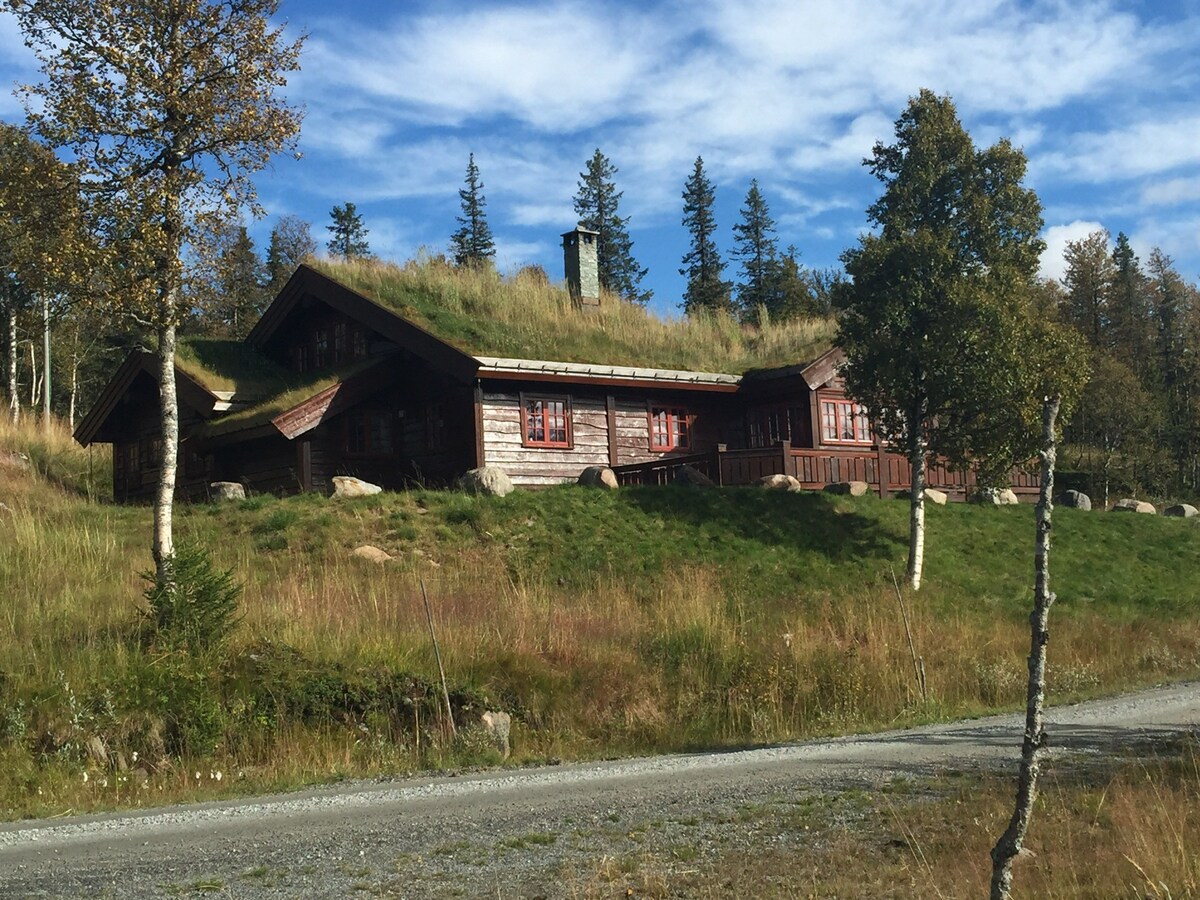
937,308
168,105
42,246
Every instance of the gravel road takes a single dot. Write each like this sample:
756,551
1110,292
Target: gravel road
515,832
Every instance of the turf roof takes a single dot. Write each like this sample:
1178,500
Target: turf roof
484,314
220,365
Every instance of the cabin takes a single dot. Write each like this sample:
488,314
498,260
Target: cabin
330,382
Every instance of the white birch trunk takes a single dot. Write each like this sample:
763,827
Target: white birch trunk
74,393
163,547
14,400
1011,842
46,398
916,519
34,380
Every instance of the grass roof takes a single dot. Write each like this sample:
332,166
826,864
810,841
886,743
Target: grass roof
485,314
220,365
302,387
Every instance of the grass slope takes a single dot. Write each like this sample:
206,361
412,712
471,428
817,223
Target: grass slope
634,621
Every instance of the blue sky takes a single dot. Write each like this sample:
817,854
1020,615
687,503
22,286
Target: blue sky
1102,96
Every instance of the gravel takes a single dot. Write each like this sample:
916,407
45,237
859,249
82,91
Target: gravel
519,833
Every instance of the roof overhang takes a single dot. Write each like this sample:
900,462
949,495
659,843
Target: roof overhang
612,376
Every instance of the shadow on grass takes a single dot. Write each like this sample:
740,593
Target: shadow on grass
804,522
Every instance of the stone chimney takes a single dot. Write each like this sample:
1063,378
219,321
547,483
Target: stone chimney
581,263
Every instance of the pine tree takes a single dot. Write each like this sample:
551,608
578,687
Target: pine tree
472,245
792,296
702,264
755,246
291,243
596,205
349,239
241,283
1129,311
1088,283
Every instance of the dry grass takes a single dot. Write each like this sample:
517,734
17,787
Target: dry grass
486,314
1125,829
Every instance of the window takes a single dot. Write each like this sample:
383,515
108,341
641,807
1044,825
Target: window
844,422
767,427
150,453
670,428
301,357
321,348
359,344
370,432
339,343
547,421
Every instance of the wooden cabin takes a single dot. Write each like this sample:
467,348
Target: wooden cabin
330,382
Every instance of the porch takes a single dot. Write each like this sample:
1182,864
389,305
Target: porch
884,472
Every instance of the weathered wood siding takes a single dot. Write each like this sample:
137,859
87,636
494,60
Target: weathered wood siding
503,432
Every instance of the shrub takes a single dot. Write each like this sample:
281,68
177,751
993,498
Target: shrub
197,609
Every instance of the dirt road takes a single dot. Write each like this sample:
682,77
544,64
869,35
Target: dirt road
514,833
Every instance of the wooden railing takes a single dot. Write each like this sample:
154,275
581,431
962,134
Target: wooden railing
815,469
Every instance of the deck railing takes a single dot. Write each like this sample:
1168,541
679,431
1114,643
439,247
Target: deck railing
815,469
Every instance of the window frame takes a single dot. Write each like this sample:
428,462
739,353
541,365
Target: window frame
674,414
857,413
546,444
365,419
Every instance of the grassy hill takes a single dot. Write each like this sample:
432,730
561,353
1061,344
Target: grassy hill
642,620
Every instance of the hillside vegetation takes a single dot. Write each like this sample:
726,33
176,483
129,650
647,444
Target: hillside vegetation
525,317
643,620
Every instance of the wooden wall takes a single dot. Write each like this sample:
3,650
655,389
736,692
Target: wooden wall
503,429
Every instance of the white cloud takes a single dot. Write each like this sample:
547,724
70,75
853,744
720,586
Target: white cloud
1052,264
1147,147
1171,192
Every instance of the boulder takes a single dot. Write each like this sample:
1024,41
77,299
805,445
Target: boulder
599,476
935,496
853,488
96,751
220,491
372,554
486,480
779,482
1138,506
348,486
1074,500
497,726
689,476
1181,511
995,497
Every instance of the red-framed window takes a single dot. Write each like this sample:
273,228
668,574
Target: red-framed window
844,422
670,428
546,421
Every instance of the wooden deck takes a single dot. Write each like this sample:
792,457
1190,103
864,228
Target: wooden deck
815,469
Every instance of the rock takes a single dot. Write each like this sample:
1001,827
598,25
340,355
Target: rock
779,482
1181,511
96,750
852,488
995,497
348,486
1138,506
1074,500
599,476
689,476
486,480
372,554
935,496
139,776
497,725
221,491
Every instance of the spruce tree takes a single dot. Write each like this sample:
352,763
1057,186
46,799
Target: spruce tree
472,245
291,243
349,239
702,264
1129,310
596,205
755,246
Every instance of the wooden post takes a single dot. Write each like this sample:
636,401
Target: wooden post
785,447
480,458
610,412
881,464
